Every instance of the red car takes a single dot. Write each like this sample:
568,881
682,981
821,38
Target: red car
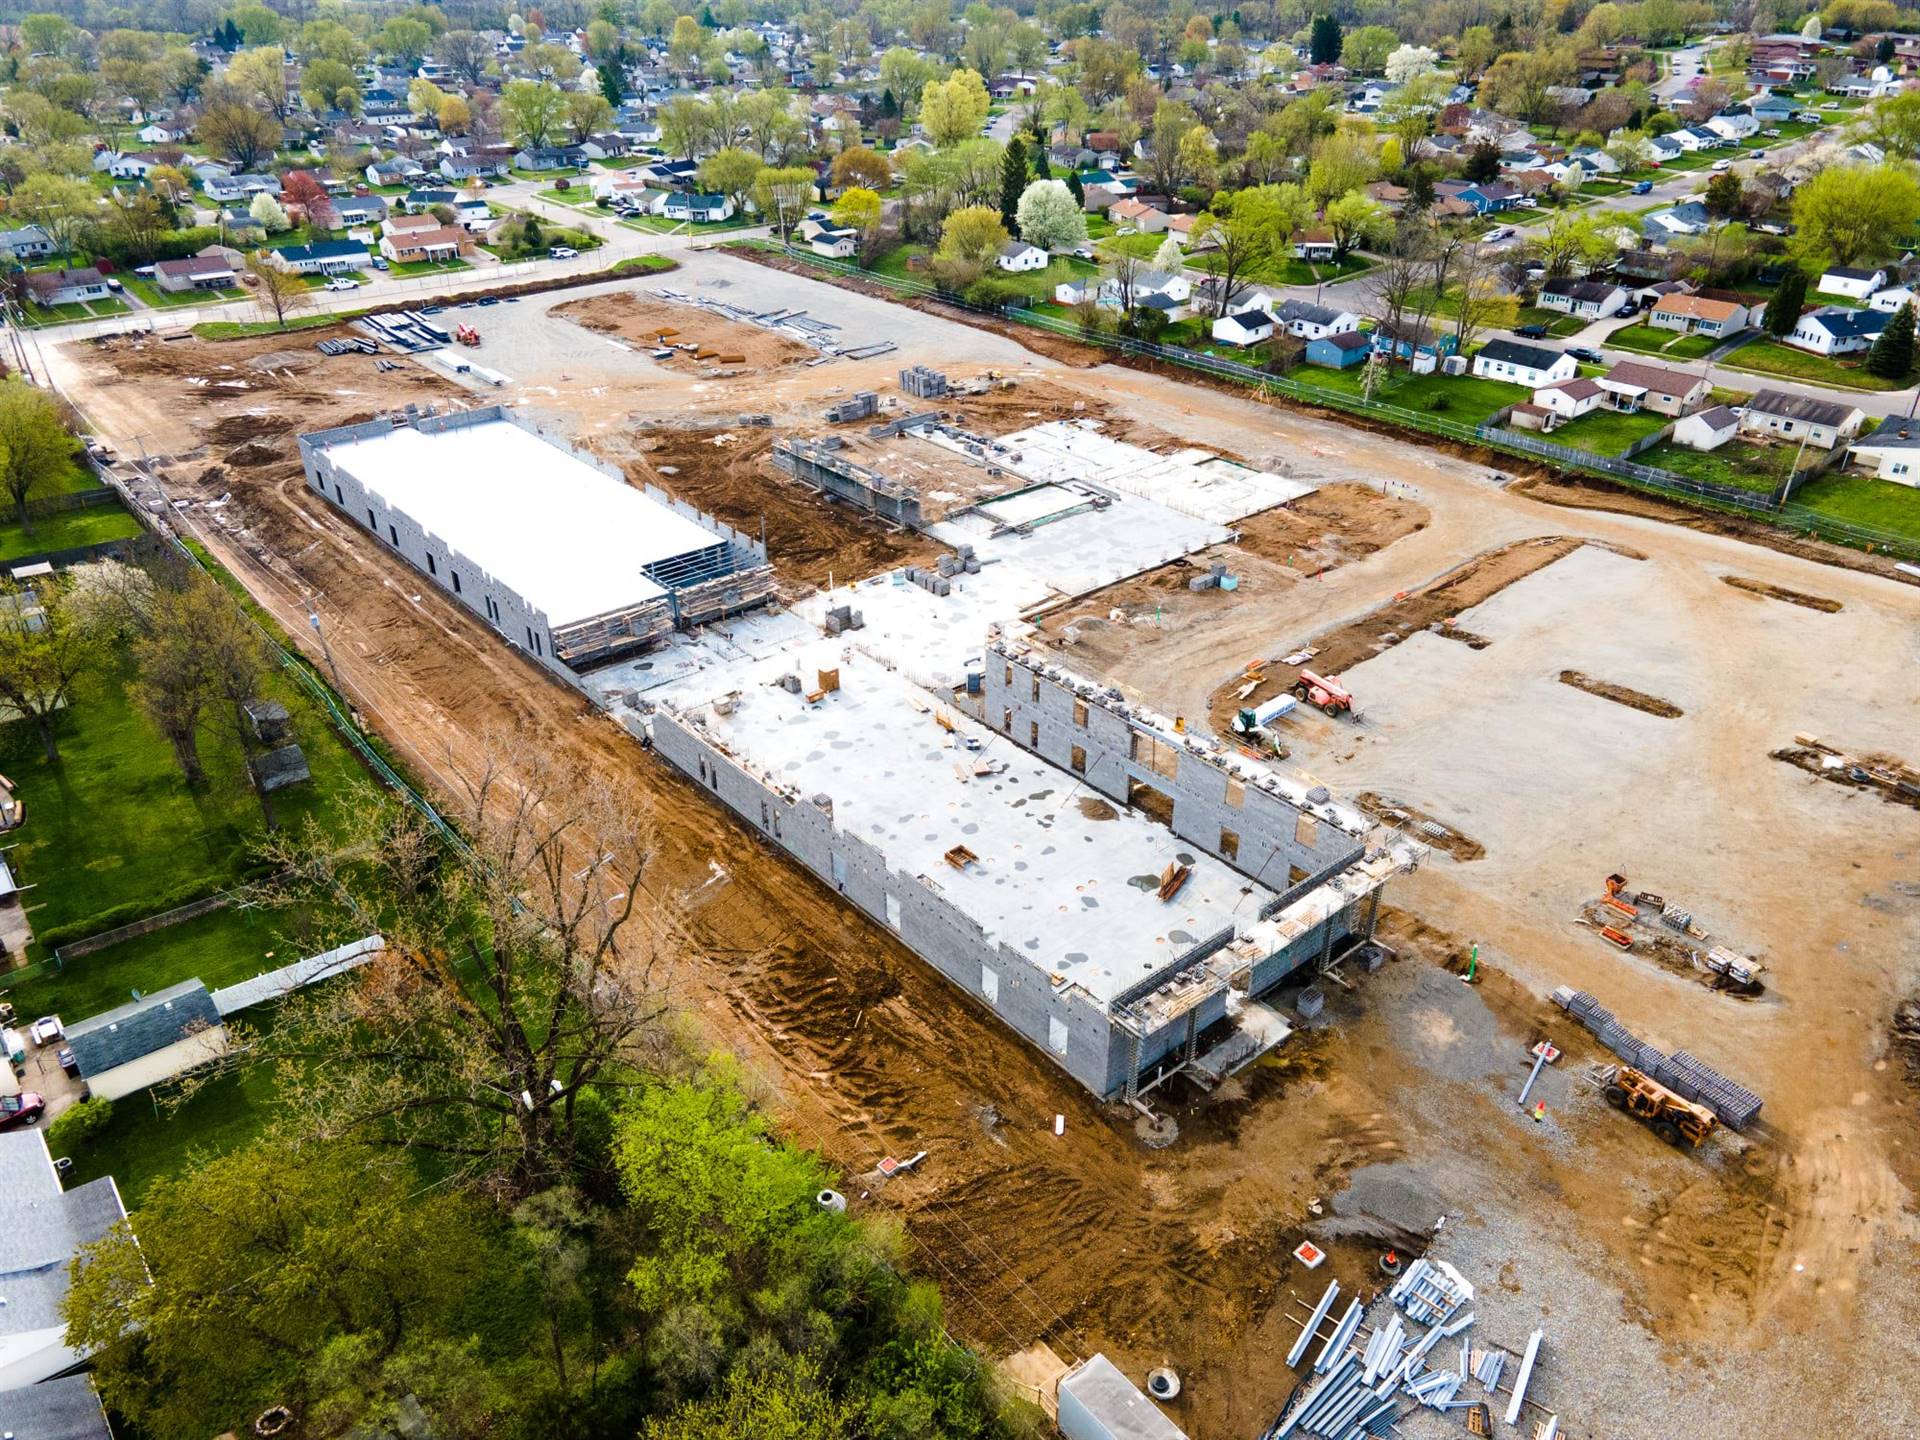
22,1109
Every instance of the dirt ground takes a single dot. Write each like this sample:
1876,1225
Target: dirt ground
1716,1292
1622,695
1776,592
715,340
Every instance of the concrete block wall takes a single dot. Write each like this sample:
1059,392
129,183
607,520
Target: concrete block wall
1109,752
1065,1023
519,622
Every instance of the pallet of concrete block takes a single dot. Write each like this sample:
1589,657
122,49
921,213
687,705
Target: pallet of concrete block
923,383
857,406
1699,1082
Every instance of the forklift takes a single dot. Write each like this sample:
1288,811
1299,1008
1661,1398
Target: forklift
1668,1115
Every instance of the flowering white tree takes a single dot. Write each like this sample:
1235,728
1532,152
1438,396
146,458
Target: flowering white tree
1410,62
1049,216
1170,257
268,212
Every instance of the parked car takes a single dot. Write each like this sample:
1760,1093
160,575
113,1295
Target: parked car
379,262
1590,357
1630,308
562,252
341,282
1642,187
488,300
1501,232
22,1109
68,1063
1771,132
1720,165
113,282
1532,332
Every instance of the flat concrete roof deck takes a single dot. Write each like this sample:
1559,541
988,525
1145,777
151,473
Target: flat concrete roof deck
1074,892
558,532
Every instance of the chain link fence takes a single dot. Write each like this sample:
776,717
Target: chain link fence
1726,499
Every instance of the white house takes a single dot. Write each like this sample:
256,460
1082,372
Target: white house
702,209
48,1221
1886,301
66,287
1851,283
1801,419
1733,125
1249,327
1891,450
1017,257
1307,321
1570,399
1706,429
1588,299
1837,331
1534,366
29,242
835,244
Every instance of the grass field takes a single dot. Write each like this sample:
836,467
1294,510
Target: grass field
426,267
1741,463
168,300
1464,398
1670,344
1036,285
67,530
1769,357
1608,432
1857,500
243,329
114,832
221,948
660,225
39,316
642,264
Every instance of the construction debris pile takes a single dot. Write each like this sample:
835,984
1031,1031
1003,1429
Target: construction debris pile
1665,927
1679,1072
1357,1393
798,325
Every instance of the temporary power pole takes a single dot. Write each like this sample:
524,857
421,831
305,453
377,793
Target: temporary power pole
313,619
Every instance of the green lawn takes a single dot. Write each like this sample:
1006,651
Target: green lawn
580,198
426,267
67,530
39,316
319,282
74,476
1036,285
168,299
1838,302
1738,462
1608,432
1862,501
113,832
1603,187
645,264
1672,344
146,1141
1465,398
245,329
1298,272
222,948
1447,307
660,225
1768,356
566,172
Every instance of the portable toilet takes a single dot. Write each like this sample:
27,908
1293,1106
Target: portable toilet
16,1048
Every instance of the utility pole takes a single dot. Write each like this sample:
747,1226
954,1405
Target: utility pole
313,619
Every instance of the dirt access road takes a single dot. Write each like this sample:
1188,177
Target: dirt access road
1392,1112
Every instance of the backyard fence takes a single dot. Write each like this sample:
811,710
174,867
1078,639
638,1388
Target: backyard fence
192,910
1728,499
78,500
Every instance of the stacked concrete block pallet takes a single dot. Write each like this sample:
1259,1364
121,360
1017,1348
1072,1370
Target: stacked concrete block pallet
1684,1074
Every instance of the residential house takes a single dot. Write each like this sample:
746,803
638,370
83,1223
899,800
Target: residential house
1636,385
1732,124
1483,199
1664,149
1098,197
547,157
1306,321
43,1225
1143,217
146,1041
66,287
158,134
1418,343
701,209
397,171
1850,282
1891,450
1649,295
239,224
1699,315
434,244
197,272
1694,138
1834,330
1707,429
1570,399
241,188
1518,363
1248,327
465,169
474,213
1593,158
1162,303
325,257
28,242
1017,257
1689,217
1892,298
1801,419
1588,299
1339,351
64,1408
1772,110
1316,246
136,166
359,210
1171,283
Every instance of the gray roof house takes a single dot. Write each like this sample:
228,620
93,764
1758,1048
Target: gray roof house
148,1040
41,1226
29,242
63,1409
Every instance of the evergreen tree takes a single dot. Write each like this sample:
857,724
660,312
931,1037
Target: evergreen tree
1483,162
1783,310
610,84
889,107
1891,357
1079,190
1042,167
1324,40
1013,179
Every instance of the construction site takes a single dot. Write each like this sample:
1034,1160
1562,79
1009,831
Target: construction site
1173,851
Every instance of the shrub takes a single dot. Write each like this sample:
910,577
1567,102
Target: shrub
78,1125
990,294
1435,402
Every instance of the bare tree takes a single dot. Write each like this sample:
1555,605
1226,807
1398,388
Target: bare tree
518,974
1408,285
1127,271
1482,301
277,291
